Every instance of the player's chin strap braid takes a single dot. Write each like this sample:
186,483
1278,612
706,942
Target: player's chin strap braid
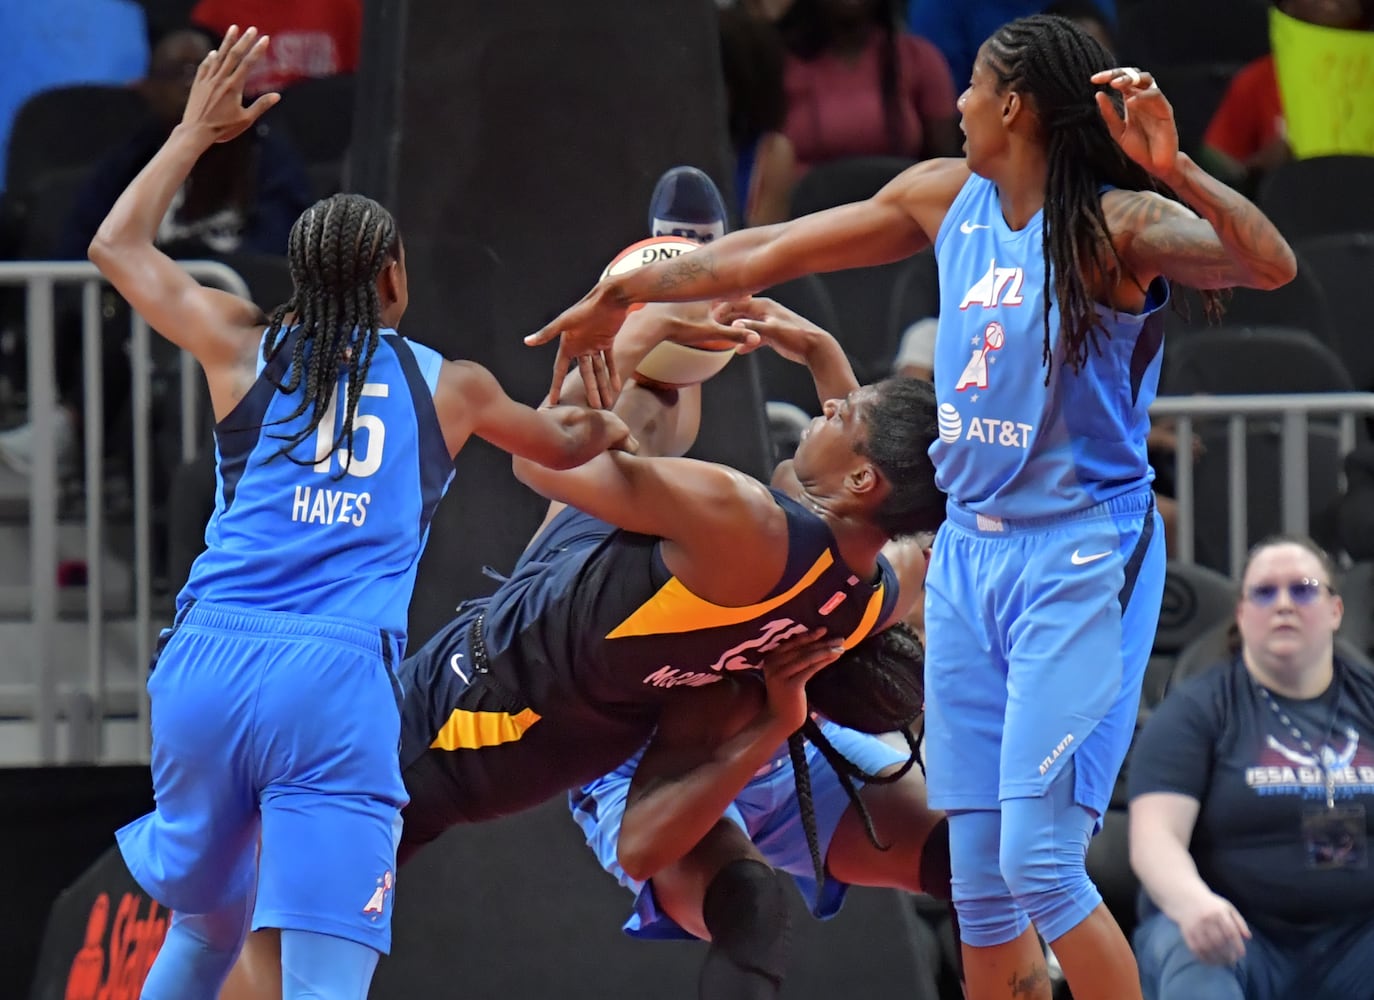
745,910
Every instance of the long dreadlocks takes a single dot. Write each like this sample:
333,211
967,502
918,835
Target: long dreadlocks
336,250
876,687
1051,60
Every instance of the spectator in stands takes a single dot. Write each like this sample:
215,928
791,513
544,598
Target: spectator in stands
310,38
1247,136
751,55
859,85
54,43
958,27
1252,790
241,196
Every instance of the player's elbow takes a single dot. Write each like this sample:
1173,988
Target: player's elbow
636,856
1281,269
101,250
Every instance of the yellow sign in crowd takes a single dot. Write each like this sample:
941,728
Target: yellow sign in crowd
1326,82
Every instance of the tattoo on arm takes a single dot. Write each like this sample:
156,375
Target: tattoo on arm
1226,241
1248,236
1035,982
686,269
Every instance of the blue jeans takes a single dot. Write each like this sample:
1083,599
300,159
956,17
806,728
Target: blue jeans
1336,963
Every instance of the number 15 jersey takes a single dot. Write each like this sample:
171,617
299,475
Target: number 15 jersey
311,531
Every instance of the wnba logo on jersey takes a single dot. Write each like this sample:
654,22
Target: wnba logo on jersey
976,371
1000,286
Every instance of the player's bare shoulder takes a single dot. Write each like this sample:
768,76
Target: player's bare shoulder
927,189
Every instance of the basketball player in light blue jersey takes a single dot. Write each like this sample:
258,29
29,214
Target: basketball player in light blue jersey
274,701
1056,238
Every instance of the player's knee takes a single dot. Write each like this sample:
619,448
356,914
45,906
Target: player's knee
745,910
1046,873
987,913
935,865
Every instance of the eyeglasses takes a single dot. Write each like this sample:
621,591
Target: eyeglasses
1301,592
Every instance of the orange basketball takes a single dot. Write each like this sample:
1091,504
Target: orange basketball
670,365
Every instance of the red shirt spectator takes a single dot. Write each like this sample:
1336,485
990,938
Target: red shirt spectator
836,110
310,38
1251,115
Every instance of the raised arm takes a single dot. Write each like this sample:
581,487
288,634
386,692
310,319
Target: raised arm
1228,242
898,221
219,329
798,340
701,510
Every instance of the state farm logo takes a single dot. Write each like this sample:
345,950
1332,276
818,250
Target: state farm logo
113,966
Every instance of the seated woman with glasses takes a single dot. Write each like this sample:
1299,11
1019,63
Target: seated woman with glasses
1252,792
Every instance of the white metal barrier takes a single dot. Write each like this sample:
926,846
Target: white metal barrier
40,279
1293,412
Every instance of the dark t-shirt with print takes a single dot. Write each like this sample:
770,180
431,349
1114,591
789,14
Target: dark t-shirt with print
1216,740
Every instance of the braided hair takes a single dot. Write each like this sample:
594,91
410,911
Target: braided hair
876,687
1051,60
337,249
899,426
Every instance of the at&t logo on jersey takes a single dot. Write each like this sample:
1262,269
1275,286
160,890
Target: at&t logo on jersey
987,430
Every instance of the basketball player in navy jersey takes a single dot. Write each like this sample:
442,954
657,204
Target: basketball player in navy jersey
274,701
1056,240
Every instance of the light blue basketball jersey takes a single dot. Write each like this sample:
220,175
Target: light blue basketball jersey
323,535
1009,445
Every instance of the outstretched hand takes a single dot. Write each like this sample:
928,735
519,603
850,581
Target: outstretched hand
216,98
585,334
1145,128
771,323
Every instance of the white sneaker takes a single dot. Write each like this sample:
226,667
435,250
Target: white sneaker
16,444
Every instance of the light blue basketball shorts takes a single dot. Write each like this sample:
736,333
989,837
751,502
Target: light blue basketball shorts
766,810
286,726
1037,636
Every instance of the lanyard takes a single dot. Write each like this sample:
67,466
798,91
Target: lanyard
1328,777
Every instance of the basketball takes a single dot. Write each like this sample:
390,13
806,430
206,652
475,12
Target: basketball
670,365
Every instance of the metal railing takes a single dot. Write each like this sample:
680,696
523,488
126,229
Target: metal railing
40,278
1293,412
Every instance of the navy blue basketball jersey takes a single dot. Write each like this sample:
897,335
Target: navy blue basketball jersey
607,623
1009,445
330,533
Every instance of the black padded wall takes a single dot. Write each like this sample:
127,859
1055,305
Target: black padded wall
518,144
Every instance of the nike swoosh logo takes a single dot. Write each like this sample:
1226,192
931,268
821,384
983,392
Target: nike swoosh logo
967,227
459,670
1078,560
